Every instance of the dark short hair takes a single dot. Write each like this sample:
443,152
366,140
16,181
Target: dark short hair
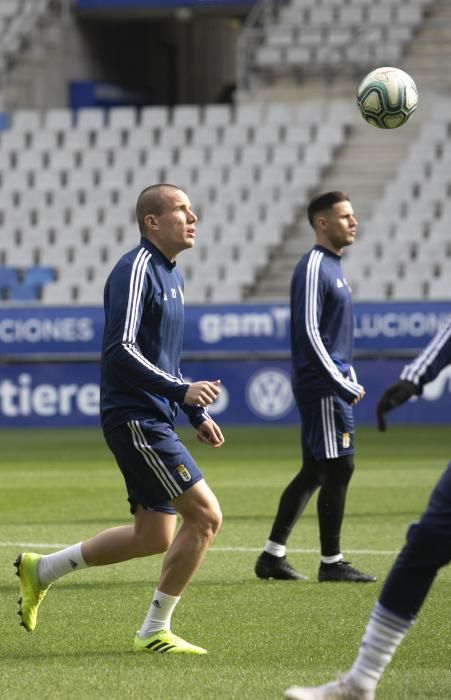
151,200
323,202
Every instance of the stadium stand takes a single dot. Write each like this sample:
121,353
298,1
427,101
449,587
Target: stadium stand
248,184
251,164
69,178
406,243
19,23
307,36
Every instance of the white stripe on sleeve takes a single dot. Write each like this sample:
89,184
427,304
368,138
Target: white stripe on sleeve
130,328
311,313
134,295
414,371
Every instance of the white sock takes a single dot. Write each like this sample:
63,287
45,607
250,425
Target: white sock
384,632
274,548
159,614
333,559
53,566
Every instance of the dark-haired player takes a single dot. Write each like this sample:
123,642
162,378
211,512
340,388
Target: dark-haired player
325,388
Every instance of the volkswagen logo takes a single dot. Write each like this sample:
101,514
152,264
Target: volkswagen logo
269,393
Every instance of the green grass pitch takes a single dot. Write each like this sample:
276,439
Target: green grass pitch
59,487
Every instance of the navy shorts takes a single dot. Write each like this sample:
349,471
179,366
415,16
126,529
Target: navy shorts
327,428
154,462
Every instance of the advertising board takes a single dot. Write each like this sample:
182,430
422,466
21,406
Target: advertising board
253,392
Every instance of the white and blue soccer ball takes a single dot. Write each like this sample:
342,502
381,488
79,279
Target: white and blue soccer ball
387,97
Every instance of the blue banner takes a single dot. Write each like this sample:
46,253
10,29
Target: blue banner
379,327
130,5
49,395
254,392
397,325
95,93
239,328
44,330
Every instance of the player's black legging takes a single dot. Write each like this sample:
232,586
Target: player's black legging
332,477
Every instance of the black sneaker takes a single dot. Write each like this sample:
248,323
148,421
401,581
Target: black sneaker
269,566
343,571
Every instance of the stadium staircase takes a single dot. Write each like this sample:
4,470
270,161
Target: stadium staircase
362,167
292,42
369,160
31,34
428,57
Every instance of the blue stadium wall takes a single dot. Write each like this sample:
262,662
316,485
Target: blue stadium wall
50,368
131,5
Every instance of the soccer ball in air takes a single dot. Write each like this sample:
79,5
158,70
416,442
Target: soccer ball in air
387,97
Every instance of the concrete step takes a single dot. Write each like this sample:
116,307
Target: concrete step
281,288
285,267
370,158
353,172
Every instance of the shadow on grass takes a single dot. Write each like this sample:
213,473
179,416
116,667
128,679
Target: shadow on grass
247,580
110,522
80,585
25,657
252,517
313,516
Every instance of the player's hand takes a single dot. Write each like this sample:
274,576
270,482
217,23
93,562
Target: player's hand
202,393
360,396
210,433
394,396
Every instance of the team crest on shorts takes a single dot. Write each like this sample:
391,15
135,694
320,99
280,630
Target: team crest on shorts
184,473
346,441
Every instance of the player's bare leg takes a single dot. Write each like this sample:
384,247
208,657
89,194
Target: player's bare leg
201,521
151,533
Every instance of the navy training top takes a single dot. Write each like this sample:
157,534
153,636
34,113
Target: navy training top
322,328
142,341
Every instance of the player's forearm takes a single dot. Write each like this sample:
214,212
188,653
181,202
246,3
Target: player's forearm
430,362
138,370
347,388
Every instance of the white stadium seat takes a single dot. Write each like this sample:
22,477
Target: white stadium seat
154,117
123,117
217,114
57,119
186,115
68,192
173,135
250,114
92,118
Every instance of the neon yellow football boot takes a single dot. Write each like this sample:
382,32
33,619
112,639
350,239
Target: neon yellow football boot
165,642
31,592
